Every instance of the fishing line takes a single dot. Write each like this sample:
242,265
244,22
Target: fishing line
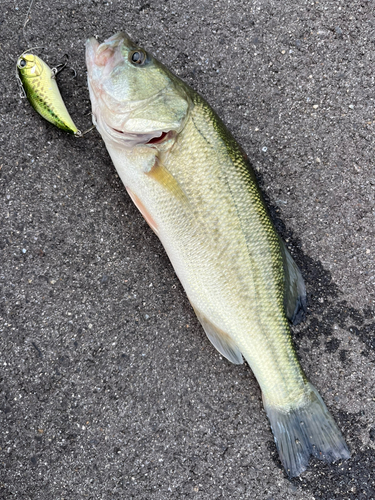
27,19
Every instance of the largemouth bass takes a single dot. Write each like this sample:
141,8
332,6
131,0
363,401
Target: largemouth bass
193,185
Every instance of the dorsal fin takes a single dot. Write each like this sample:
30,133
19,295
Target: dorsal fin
220,339
294,289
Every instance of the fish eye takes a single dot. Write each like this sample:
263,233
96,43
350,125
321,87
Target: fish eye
22,63
138,57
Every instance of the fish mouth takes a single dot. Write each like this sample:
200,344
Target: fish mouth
155,139
159,139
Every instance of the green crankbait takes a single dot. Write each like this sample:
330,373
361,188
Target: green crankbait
40,87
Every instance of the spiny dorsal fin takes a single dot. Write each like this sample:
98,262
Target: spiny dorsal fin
220,339
294,289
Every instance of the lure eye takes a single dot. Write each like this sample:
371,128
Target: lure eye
138,57
22,63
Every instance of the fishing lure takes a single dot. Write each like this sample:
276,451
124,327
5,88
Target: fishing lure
38,83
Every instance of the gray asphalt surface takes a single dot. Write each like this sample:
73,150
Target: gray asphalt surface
109,387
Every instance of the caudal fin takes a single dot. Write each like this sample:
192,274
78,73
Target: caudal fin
305,430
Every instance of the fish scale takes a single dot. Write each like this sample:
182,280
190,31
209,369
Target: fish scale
240,280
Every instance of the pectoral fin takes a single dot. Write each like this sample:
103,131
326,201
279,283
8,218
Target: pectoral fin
220,339
294,289
164,178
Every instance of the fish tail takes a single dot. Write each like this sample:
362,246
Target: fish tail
306,430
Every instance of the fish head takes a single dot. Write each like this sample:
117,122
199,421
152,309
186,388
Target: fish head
29,66
136,100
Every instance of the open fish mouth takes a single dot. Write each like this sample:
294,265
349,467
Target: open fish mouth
129,139
152,138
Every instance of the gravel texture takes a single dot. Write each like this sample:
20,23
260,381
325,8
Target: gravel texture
109,387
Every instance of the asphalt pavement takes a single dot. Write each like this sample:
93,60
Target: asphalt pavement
109,387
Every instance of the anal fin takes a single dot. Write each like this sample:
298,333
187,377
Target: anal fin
220,339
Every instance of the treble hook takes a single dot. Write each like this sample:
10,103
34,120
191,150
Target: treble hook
57,69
